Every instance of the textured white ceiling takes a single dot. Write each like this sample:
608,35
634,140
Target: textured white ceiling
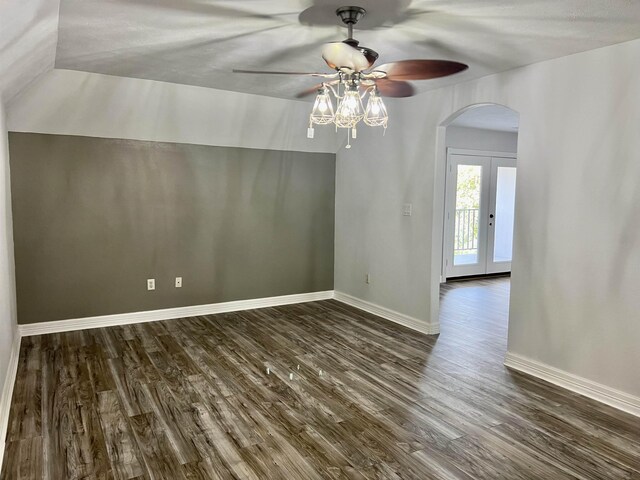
199,42
489,117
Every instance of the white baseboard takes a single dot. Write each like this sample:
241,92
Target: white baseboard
401,318
596,391
167,313
211,309
7,392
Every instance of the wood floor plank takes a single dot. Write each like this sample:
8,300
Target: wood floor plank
93,448
202,470
159,458
23,459
174,422
319,390
121,445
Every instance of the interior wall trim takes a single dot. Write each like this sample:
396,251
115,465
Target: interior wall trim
84,323
167,313
7,392
596,391
392,315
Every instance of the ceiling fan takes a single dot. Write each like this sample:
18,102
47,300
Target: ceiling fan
354,78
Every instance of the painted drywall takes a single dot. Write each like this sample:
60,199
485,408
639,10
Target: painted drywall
8,331
575,298
88,104
481,139
95,218
374,179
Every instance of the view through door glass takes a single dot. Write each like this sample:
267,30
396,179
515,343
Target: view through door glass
479,205
505,202
467,214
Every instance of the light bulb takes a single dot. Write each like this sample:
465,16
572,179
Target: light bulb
322,112
376,112
349,111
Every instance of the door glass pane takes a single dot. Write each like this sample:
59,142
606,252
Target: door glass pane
467,221
505,202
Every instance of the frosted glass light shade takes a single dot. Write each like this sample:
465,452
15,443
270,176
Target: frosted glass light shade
349,111
322,112
376,112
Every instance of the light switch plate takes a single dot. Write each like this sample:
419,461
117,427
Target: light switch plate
178,282
407,209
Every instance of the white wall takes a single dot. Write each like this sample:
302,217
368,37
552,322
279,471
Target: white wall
373,180
8,332
89,104
481,139
575,298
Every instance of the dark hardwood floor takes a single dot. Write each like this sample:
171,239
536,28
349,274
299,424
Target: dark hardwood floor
346,395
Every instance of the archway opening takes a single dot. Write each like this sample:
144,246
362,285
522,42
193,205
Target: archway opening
475,216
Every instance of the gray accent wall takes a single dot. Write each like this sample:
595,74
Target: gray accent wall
94,218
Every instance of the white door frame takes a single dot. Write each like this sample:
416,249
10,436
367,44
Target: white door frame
450,188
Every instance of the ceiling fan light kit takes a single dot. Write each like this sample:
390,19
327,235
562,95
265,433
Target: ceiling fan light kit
350,110
353,81
349,60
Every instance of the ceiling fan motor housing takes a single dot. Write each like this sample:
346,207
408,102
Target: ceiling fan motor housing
350,15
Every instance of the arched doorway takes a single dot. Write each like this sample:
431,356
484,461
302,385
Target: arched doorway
474,204
480,182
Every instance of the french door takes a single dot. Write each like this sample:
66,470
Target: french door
479,213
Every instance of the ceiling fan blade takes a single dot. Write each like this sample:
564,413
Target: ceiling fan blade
314,89
268,72
394,88
421,69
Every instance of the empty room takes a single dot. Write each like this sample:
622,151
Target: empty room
306,239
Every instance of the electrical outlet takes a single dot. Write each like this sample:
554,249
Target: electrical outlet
178,282
151,283
407,209
367,279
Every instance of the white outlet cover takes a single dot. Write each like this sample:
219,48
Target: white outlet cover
151,284
178,282
407,209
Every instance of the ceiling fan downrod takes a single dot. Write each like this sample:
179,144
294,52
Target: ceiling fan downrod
350,16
